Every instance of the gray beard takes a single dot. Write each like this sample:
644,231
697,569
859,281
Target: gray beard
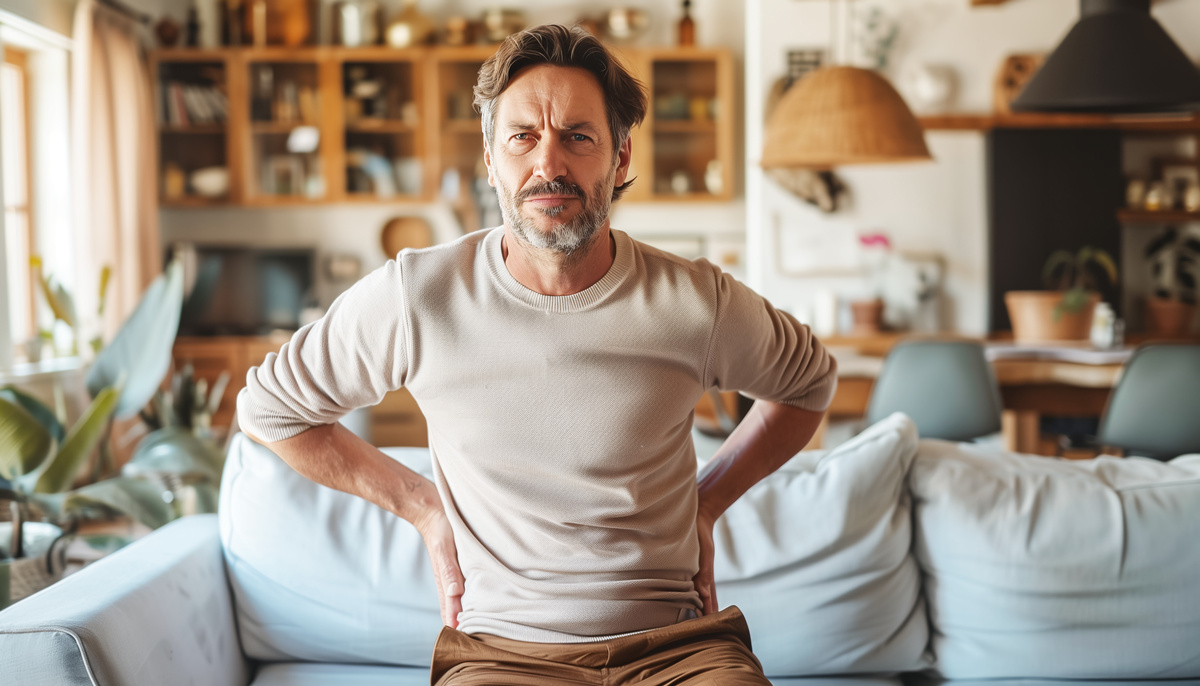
566,238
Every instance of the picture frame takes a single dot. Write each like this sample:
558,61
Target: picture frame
1177,175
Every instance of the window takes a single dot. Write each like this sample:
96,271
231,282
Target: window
18,217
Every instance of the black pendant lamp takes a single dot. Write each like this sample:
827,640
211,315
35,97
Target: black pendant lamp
1116,59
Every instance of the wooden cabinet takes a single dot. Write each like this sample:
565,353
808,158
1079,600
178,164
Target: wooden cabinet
333,124
395,421
684,149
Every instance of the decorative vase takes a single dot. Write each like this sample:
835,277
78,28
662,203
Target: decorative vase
409,27
1169,317
1033,320
868,316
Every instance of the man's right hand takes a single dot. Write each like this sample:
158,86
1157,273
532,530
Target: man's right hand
439,541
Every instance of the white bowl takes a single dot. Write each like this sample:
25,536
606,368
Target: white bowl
211,182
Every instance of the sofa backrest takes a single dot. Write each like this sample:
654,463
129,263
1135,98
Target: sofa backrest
1043,568
816,555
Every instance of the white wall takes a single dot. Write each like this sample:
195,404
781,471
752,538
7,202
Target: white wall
354,229
934,206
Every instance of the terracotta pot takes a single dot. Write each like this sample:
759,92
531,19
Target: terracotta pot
1032,316
1167,317
868,316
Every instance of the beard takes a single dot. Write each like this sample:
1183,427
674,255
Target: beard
565,237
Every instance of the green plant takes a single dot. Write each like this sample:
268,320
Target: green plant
40,459
1173,256
62,305
1076,275
188,403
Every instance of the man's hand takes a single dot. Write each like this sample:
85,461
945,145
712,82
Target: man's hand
439,541
705,585
333,456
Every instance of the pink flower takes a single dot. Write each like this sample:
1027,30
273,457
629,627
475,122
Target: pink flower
871,240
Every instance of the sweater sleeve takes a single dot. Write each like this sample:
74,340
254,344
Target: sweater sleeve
765,353
347,359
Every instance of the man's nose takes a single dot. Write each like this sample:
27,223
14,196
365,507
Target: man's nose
551,159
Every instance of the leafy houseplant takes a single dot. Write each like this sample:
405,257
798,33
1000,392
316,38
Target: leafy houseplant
1065,312
39,458
1173,256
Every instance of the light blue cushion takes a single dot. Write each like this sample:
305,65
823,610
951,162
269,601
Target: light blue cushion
1044,568
323,576
817,556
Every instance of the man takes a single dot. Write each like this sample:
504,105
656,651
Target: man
557,362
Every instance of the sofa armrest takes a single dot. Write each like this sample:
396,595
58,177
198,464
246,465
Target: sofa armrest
156,612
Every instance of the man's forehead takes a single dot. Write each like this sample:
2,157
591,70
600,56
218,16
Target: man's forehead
567,93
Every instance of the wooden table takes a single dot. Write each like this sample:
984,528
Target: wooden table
1029,389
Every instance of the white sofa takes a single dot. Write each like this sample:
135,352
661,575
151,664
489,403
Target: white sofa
885,558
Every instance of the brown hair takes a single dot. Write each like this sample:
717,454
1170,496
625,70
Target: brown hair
624,95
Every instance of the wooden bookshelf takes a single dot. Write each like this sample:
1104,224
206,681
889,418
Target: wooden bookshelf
427,124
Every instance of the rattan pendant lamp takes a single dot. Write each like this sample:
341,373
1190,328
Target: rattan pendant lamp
841,115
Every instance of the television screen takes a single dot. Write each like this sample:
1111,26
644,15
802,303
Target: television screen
237,291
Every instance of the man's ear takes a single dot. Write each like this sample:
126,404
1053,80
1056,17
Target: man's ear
487,160
624,157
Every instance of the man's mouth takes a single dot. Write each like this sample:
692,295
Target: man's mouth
550,199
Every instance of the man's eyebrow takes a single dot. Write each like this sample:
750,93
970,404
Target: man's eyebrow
520,126
582,125
570,126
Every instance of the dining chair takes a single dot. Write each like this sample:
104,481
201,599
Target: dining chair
1155,409
946,387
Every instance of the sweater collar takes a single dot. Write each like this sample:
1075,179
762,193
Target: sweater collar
559,304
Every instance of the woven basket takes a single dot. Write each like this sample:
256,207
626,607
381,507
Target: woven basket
28,575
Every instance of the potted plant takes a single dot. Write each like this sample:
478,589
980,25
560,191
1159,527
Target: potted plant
1173,256
40,459
1063,313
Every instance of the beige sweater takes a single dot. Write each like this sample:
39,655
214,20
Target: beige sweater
560,426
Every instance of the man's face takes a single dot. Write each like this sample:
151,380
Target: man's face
552,161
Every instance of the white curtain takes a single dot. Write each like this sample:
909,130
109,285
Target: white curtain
113,144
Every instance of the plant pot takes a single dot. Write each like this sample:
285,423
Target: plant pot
1033,321
1168,317
42,565
868,316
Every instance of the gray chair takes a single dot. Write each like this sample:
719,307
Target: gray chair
1155,409
946,387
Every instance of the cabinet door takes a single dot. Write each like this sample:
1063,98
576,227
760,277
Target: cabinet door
195,140
289,157
397,421
688,138
384,155
455,134
209,358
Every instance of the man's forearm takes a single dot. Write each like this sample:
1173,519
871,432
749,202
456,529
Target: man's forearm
333,456
770,435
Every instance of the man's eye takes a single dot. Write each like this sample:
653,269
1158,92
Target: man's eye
520,136
578,137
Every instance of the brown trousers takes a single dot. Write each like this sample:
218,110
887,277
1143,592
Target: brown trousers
707,651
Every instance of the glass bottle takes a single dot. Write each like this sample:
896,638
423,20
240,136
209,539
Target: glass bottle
687,27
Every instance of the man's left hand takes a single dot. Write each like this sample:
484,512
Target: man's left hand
705,585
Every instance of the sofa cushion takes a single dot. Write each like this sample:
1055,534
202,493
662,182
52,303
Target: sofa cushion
321,575
817,556
1045,568
310,674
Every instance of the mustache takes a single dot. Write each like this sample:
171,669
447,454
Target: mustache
552,188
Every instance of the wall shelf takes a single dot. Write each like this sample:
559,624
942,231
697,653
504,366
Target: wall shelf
966,121
1159,217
